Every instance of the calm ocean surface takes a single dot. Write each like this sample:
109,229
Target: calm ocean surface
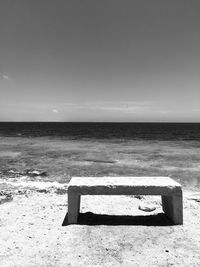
129,131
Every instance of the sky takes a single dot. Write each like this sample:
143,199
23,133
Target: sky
100,60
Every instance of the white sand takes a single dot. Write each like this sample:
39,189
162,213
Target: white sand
32,234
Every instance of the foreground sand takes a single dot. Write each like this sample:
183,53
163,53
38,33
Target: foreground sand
32,234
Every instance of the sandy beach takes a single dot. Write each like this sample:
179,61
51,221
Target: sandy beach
112,231
32,233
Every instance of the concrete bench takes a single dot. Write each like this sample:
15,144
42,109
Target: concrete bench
170,191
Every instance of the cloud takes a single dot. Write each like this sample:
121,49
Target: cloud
109,106
125,109
4,76
55,110
122,107
196,110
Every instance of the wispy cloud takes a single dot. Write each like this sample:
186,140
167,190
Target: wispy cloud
4,76
104,107
196,110
125,107
119,106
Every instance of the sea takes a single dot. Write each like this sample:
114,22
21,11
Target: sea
102,130
66,149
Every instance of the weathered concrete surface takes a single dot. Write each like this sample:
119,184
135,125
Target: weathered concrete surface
173,207
73,207
170,191
123,186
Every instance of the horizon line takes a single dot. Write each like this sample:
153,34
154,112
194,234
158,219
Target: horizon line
99,122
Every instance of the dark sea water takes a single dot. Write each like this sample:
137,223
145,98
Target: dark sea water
127,131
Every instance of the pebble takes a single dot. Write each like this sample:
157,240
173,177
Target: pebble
147,208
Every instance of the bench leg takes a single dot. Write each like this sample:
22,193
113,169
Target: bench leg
73,207
173,207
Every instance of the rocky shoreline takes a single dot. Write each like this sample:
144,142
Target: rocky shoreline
14,182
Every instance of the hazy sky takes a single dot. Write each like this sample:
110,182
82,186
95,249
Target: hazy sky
100,60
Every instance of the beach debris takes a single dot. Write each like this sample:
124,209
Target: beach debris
11,173
138,197
17,173
5,197
22,191
34,173
146,207
43,191
194,196
100,160
61,191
